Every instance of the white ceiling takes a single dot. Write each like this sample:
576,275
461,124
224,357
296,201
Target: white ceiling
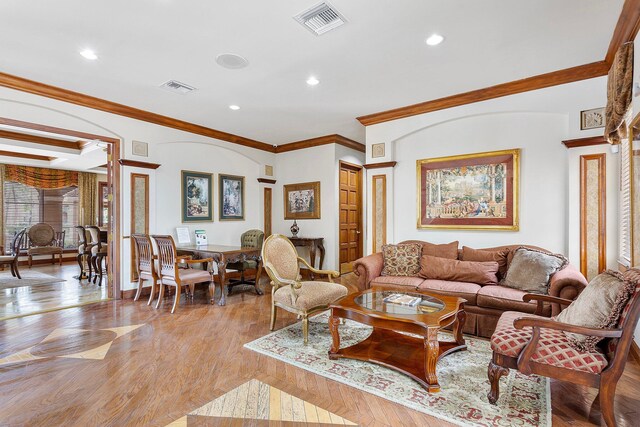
377,61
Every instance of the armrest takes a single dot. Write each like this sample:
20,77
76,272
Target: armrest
368,268
566,283
533,322
329,273
541,299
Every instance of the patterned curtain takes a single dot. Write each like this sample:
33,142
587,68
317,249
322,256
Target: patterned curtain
40,177
88,195
619,92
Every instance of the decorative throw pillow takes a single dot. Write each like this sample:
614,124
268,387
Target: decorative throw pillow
481,273
401,260
598,306
446,250
470,254
531,269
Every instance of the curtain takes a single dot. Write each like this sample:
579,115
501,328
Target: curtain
40,177
88,195
619,93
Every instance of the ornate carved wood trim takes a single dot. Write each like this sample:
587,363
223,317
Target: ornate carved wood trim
322,140
26,156
380,165
266,181
585,142
43,140
139,164
587,189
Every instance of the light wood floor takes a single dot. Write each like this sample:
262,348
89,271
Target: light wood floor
26,300
151,368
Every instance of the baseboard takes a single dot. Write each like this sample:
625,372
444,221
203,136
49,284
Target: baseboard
635,352
131,293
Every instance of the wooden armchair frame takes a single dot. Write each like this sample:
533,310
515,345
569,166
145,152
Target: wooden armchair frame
11,258
605,381
278,282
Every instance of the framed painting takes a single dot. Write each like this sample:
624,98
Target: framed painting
196,196
471,191
302,201
231,194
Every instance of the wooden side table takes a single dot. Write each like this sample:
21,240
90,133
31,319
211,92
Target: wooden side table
314,244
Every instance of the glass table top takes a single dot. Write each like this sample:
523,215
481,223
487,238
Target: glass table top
383,301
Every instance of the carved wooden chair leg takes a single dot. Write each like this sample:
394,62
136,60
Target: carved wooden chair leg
139,292
79,259
152,294
273,316
305,328
606,398
494,373
13,270
161,295
30,260
177,298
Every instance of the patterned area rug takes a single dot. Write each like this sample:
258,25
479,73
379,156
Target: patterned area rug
29,278
524,400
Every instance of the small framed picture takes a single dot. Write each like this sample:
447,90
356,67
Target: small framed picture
592,119
231,197
377,150
302,201
139,148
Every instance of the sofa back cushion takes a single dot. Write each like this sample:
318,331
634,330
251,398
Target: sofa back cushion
530,270
487,255
481,273
401,260
598,306
446,250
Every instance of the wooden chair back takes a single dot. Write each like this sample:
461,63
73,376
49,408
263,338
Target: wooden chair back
82,238
280,258
17,242
41,234
144,253
617,349
166,255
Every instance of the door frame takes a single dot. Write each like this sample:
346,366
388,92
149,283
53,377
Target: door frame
359,169
113,182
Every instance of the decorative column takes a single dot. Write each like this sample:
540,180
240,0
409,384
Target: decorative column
592,214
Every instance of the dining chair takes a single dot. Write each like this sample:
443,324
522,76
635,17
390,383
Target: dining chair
172,275
42,241
281,259
98,253
146,262
11,258
84,252
248,239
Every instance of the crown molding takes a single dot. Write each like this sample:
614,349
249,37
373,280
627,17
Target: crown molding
138,164
26,156
48,91
380,165
585,142
42,140
321,140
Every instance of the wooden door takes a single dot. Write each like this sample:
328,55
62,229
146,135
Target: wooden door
350,215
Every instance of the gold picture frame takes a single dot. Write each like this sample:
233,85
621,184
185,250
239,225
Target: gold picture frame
492,185
302,201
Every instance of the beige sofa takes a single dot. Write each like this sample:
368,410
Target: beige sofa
484,304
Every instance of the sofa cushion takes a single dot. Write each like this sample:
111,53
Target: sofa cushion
464,290
484,255
598,306
553,346
310,295
401,260
531,270
505,299
408,281
482,273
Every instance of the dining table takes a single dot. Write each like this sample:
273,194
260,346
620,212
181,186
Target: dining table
223,255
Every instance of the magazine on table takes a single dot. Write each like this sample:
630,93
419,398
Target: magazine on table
403,299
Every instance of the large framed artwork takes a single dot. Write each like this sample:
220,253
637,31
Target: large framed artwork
231,197
302,201
471,191
196,196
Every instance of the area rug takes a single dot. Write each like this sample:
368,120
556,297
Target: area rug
29,278
524,400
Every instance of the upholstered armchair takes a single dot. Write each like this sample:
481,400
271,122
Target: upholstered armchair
539,345
281,259
248,239
98,253
172,275
11,258
43,240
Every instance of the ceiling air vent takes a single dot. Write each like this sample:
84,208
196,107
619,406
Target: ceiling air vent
176,86
320,18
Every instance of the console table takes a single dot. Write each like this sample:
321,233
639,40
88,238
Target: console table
314,244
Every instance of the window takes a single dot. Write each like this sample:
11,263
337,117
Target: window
25,206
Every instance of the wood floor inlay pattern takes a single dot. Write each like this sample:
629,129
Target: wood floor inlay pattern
255,400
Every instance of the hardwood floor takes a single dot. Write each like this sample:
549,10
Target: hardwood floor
161,367
26,300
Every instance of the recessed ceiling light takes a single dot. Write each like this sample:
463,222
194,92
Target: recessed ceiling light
89,54
231,61
234,107
312,81
434,39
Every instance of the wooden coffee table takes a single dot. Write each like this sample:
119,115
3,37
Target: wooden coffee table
413,356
